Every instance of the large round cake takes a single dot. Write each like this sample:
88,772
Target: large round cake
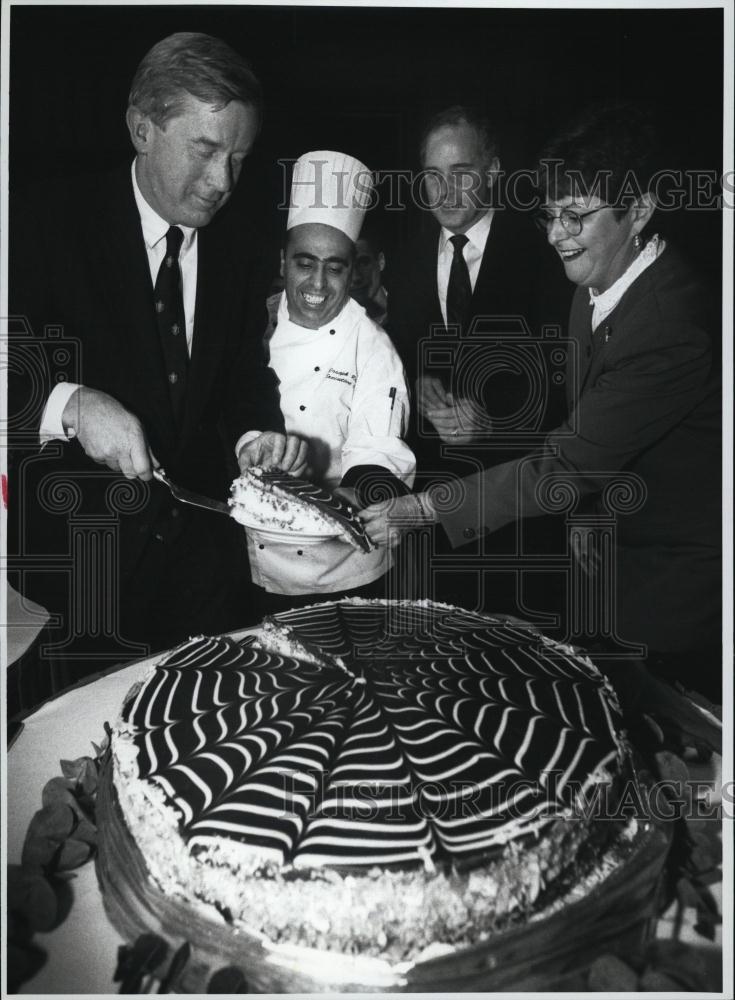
373,779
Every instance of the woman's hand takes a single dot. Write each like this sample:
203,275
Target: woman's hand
387,522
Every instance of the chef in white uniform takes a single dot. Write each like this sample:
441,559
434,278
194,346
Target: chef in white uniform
342,383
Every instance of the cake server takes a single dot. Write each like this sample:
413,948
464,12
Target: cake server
195,499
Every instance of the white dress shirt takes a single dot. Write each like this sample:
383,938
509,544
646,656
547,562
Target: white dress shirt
335,385
154,235
472,252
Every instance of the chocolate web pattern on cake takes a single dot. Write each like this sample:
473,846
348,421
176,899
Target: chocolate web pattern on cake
449,734
332,507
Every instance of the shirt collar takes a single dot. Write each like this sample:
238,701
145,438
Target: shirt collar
154,227
605,302
477,234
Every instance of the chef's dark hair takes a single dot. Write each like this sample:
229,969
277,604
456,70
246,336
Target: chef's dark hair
189,62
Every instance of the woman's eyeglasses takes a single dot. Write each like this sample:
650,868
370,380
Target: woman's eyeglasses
571,221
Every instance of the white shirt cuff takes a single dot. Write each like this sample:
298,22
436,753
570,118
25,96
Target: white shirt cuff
245,439
51,428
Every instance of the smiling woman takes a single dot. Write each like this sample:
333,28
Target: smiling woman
641,444
601,249
599,202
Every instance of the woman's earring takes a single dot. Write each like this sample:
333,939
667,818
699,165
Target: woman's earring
637,242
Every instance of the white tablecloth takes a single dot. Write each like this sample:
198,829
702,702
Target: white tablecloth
24,619
82,950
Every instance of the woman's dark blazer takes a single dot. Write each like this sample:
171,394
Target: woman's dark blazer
642,443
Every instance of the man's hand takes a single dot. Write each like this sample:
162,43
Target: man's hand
108,433
271,449
461,421
386,522
430,393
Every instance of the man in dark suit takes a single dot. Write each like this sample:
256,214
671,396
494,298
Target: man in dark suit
158,300
468,306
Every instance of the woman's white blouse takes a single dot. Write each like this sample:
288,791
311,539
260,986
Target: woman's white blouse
604,303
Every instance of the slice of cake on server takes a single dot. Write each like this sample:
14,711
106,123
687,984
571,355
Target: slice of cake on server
271,499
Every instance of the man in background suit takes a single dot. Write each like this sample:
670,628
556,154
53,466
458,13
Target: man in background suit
157,293
463,301
367,273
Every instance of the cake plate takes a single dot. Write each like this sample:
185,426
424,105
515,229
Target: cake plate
285,537
616,916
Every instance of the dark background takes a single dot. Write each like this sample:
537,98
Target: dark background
361,80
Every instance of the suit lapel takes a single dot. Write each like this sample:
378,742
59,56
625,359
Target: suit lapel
581,330
429,250
490,276
123,270
121,275
502,282
215,297
123,254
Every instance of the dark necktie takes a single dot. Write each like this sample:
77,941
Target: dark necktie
169,303
459,290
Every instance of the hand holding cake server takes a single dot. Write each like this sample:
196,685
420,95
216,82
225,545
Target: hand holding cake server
190,146
150,275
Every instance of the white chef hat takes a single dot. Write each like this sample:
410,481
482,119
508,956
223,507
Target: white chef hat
331,188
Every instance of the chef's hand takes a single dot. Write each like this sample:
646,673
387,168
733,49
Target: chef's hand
430,393
460,421
108,433
386,522
274,450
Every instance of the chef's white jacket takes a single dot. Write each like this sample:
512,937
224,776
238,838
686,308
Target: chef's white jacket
336,386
